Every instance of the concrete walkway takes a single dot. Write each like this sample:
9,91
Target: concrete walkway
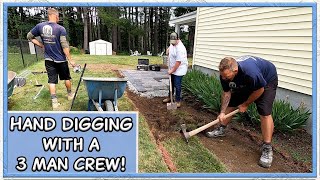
148,83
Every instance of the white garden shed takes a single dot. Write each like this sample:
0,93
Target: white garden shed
100,47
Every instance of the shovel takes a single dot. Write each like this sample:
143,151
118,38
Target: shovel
171,105
38,85
37,95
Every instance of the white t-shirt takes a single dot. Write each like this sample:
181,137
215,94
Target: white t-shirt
178,53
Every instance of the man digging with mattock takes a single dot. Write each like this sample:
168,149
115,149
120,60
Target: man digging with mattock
244,81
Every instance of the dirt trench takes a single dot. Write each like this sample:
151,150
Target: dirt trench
239,150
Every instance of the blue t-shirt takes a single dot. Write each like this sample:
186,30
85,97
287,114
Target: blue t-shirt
253,74
50,33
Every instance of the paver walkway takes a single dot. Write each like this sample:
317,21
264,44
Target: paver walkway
148,83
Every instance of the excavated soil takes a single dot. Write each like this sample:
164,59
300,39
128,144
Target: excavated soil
239,150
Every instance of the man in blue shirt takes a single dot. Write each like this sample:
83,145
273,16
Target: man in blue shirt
244,81
56,53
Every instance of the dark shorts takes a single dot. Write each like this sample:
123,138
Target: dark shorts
54,69
263,103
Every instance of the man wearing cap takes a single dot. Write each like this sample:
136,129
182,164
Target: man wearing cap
245,80
178,66
56,53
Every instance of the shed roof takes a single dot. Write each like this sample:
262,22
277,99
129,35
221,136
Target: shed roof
100,41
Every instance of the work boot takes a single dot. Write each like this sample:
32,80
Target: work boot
70,96
55,104
166,100
178,104
218,132
267,156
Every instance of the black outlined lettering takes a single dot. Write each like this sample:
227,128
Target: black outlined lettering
126,124
123,164
112,164
107,124
94,144
15,124
32,124
100,164
55,164
78,164
97,124
63,143
22,163
84,124
66,124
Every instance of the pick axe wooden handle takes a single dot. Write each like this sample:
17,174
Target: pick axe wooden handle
206,126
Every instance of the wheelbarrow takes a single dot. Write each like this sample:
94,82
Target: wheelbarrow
11,76
104,92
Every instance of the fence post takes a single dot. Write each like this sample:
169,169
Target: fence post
21,49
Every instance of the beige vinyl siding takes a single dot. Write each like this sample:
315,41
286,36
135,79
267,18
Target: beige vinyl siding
282,35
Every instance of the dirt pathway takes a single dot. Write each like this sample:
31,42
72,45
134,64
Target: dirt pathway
239,150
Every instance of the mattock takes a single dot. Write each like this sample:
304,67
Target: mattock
187,135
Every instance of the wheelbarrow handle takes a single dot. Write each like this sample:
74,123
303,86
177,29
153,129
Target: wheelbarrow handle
75,94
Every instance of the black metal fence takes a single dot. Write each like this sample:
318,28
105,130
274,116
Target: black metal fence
22,54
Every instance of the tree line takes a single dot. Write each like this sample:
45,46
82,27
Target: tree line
127,28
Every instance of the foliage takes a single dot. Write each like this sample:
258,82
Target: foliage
285,117
204,87
208,90
20,22
74,50
123,53
135,28
13,49
183,10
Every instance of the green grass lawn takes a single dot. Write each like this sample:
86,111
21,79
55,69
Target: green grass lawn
131,61
192,157
150,159
15,62
97,66
22,98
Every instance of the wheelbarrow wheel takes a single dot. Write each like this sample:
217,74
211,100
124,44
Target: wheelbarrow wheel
109,105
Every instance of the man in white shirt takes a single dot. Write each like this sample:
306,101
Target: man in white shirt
178,66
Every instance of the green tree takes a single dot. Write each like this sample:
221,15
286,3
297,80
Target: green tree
179,11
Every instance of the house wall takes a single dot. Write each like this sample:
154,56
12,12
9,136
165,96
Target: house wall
282,35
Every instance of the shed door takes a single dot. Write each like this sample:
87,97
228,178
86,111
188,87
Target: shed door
101,49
